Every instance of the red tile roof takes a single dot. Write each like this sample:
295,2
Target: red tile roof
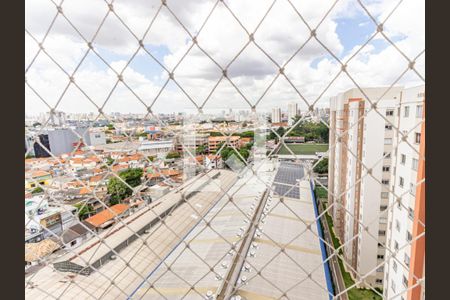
106,215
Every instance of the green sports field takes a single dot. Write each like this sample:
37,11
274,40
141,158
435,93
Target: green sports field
306,149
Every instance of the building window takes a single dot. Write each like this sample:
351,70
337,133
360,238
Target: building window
382,232
415,164
411,213
417,138
387,155
379,281
405,281
394,266
412,189
403,159
385,181
383,207
401,182
419,111
384,195
389,112
396,246
397,225
380,256
408,236
386,168
406,112
388,141
406,260
388,127
380,269
393,285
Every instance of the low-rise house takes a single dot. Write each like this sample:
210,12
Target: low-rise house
157,191
213,161
154,176
109,216
33,179
41,217
36,252
75,235
78,163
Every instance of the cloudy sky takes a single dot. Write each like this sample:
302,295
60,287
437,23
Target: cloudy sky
279,35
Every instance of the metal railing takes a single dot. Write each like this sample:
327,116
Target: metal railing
60,79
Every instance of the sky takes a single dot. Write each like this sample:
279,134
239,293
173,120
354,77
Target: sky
250,70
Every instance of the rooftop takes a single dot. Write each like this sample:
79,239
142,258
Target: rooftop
106,215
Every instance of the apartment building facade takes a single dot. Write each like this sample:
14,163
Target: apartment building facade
276,115
214,142
292,112
361,140
407,216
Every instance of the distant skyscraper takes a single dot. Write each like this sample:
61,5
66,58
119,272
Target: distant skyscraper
292,112
276,115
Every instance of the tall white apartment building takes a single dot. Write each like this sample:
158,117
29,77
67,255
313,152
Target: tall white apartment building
276,115
359,139
406,218
292,112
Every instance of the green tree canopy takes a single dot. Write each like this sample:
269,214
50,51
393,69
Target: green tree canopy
202,149
322,166
119,190
173,154
83,210
248,133
280,130
312,131
37,190
109,160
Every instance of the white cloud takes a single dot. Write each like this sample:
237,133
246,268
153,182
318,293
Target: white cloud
280,35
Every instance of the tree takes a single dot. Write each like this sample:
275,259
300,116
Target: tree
244,153
151,158
83,210
132,176
322,166
119,190
37,190
109,160
110,126
280,130
142,134
28,156
201,149
312,131
249,133
173,154
227,151
215,133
